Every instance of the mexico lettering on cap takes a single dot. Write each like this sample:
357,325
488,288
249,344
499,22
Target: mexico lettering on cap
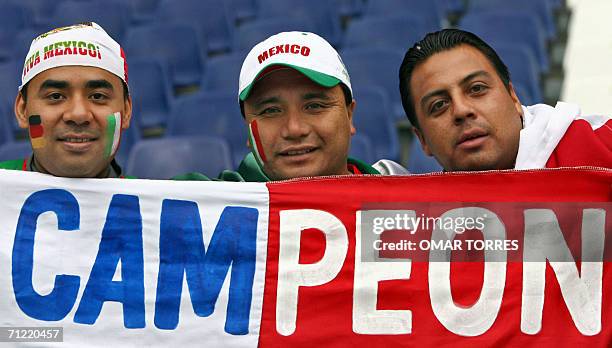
280,49
305,52
85,44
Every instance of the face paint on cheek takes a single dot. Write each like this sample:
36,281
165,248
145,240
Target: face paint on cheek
112,134
36,131
256,147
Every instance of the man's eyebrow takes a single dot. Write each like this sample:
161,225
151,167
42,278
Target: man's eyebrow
55,84
263,101
463,81
93,84
473,75
316,95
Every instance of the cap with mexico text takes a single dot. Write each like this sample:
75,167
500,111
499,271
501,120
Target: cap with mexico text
85,44
305,52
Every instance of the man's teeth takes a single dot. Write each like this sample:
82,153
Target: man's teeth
298,152
77,140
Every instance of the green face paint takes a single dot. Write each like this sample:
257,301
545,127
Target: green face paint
112,134
256,146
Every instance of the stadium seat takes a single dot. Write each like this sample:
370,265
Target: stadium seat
391,31
428,11
372,118
150,87
209,18
524,97
15,150
21,45
176,44
322,13
112,15
376,67
522,66
13,19
362,149
349,8
168,157
419,162
251,33
142,11
542,8
40,12
222,73
499,26
10,79
211,114
242,10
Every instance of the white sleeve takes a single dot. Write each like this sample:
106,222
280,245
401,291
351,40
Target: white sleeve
388,167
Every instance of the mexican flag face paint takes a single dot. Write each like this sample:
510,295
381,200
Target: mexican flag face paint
112,134
36,131
256,146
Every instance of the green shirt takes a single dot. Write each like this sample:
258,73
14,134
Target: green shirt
250,171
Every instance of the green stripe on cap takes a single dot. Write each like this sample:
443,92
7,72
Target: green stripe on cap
318,77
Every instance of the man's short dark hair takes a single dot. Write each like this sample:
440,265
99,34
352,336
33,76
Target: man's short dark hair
437,42
24,91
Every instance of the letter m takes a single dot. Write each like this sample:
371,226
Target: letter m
262,57
182,252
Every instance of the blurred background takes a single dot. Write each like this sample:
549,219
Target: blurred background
185,57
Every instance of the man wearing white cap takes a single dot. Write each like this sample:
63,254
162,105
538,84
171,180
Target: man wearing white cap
74,101
295,95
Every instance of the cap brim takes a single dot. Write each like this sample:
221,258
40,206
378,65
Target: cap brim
317,77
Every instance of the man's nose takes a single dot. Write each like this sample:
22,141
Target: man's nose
78,112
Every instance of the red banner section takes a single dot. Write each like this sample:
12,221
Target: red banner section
321,289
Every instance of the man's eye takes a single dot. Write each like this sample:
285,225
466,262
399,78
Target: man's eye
268,111
98,96
314,106
55,96
437,106
478,88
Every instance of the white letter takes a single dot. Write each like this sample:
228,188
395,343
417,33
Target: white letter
292,274
582,294
366,318
478,318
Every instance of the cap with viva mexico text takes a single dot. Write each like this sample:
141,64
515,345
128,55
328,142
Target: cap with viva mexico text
85,44
305,52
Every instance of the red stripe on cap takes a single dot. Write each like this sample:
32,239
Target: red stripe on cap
125,65
260,150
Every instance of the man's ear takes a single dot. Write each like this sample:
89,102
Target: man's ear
350,108
424,145
20,111
126,115
515,99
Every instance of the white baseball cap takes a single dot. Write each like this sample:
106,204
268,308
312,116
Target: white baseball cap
85,44
305,52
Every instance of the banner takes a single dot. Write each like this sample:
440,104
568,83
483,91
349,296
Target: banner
336,262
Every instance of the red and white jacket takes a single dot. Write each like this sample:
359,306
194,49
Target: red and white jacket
562,137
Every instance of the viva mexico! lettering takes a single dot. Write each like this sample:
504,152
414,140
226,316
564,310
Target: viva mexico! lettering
62,48
181,254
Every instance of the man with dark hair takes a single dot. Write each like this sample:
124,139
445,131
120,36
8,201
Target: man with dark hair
458,95
74,101
297,102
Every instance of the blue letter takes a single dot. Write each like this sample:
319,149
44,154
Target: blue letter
121,239
59,302
181,249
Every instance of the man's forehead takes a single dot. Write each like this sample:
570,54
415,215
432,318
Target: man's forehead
75,75
450,67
